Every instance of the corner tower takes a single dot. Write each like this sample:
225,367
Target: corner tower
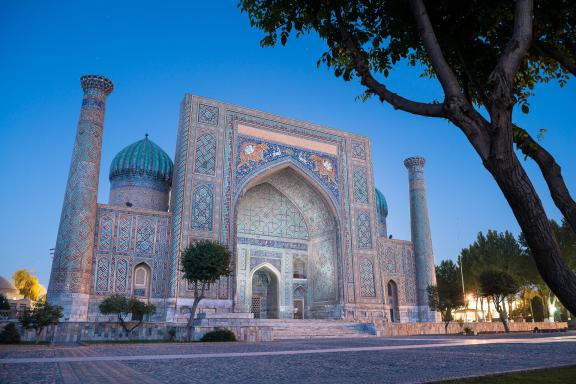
71,267
421,236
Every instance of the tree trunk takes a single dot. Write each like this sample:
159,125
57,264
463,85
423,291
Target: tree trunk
190,324
500,306
531,309
527,208
482,309
446,323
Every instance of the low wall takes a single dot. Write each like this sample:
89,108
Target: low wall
414,329
75,332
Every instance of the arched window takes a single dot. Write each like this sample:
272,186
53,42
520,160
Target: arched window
299,269
141,281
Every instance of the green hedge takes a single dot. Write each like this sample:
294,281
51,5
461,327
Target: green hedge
219,335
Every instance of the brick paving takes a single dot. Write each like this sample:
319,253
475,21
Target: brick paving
372,360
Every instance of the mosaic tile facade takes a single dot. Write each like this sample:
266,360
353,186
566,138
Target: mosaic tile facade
137,237
292,200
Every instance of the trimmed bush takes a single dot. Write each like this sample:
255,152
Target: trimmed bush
10,334
171,334
219,335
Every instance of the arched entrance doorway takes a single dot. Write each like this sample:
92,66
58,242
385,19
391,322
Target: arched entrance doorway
283,221
264,294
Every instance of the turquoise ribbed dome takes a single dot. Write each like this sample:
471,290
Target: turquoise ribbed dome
142,158
381,206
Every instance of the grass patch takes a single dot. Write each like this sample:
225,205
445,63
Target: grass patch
561,375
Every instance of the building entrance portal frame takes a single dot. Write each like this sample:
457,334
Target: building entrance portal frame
244,249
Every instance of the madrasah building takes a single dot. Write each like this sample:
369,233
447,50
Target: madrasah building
295,203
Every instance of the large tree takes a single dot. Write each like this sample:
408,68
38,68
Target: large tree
203,262
446,296
487,56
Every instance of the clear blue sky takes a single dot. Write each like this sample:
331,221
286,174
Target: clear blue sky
157,51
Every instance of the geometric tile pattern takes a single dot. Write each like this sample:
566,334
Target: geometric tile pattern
202,203
263,210
121,275
208,114
324,276
106,229
364,231
367,278
205,154
358,150
102,274
124,230
144,238
360,186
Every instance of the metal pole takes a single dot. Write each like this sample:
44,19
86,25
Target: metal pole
463,290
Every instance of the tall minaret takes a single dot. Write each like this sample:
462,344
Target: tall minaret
72,265
421,237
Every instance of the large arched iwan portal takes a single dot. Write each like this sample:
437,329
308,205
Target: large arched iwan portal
283,221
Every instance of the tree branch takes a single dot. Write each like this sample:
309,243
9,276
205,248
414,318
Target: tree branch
551,172
561,57
519,42
444,72
366,79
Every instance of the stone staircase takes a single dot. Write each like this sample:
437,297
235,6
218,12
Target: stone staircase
316,329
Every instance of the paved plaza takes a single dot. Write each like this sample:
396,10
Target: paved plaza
367,360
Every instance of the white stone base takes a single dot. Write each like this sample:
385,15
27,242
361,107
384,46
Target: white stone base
74,305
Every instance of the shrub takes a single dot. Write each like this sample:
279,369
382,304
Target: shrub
10,334
219,335
171,334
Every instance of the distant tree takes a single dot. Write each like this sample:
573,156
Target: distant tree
487,56
496,251
203,262
498,285
446,295
4,303
27,284
122,306
41,315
